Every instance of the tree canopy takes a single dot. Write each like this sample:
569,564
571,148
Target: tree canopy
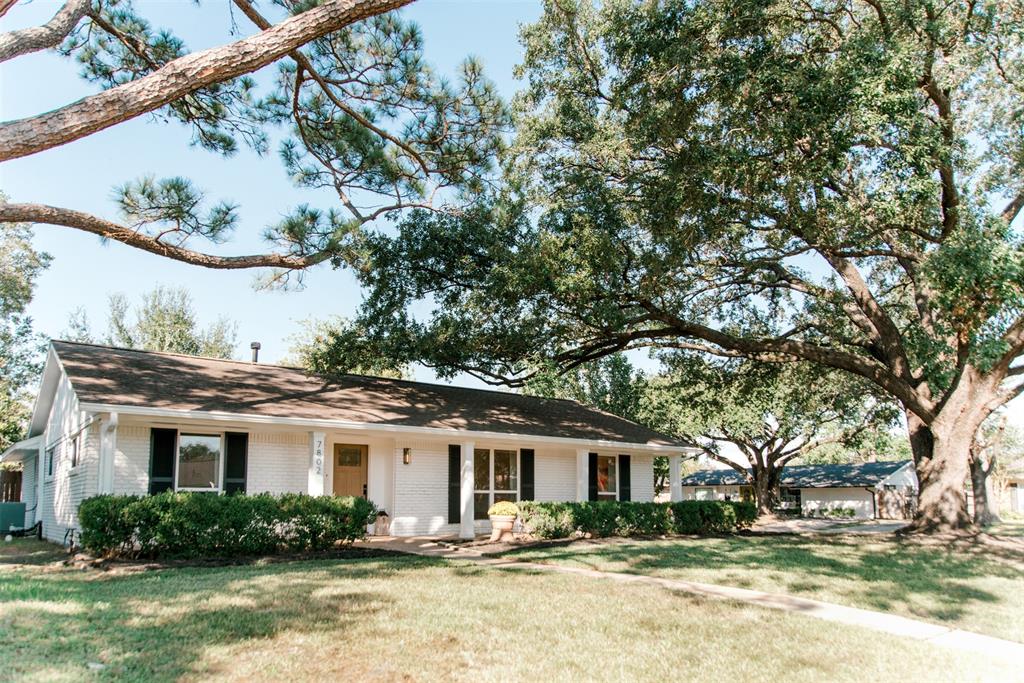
832,183
164,320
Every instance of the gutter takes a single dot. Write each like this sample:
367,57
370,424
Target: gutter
438,432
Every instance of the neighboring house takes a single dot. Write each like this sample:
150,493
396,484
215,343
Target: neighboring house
873,490
435,457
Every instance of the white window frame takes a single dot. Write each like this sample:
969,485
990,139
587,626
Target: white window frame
50,463
711,493
220,463
490,491
75,459
608,495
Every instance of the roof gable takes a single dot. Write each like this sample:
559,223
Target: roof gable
123,377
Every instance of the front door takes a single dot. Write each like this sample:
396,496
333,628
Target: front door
350,469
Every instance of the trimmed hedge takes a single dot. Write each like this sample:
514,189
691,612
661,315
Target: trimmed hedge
202,525
613,518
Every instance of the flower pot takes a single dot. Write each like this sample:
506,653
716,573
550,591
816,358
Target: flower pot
501,527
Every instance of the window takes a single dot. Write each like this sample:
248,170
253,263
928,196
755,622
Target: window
607,481
704,493
51,455
74,452
199,461
495,478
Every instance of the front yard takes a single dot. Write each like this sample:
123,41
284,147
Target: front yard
977,586
409,618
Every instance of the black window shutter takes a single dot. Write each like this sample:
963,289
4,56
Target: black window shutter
162,447
526,474
593,477
624,493
236,460
454,483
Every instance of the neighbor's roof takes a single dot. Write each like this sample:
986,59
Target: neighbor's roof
122,377
807,476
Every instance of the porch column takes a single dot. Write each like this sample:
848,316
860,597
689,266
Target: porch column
108,448
317,466
582,474
675,478
40,477
466,491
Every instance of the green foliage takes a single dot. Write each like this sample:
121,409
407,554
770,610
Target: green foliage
612,518
610,384
336,345
21,349
165,320
504,508
202,525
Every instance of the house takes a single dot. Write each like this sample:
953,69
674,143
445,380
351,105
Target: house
872,490
435,457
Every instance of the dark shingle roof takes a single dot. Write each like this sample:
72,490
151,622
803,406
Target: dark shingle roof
123,377
807,476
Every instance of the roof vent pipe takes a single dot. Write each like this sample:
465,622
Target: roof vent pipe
255,346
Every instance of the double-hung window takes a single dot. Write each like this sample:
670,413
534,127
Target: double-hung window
51,458
75,455
199,462
495,478
607,479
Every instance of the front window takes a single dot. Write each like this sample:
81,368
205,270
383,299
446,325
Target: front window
199,461
705,493
607,482
495,478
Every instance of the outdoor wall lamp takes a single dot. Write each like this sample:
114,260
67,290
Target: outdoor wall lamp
406,456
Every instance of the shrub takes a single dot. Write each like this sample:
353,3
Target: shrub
195,525
504,508
612,518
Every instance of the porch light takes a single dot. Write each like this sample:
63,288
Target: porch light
406,456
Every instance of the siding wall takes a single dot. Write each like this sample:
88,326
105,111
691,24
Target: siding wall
859,499
29,474
718,492
63,491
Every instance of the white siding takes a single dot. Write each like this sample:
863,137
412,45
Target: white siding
902,477
29,473
131,460
718,492
641,478
277,462
554,475
860,500
65,490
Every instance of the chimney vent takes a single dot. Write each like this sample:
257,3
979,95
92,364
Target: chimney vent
255,346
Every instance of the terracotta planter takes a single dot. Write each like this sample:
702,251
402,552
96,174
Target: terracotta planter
501,527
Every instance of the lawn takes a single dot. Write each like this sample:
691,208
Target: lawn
408,618
974,587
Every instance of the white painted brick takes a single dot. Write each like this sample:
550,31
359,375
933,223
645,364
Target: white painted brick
277,462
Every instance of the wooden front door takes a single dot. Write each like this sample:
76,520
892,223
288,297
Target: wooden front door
350,469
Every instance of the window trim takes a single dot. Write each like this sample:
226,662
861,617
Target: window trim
608,495
76,453
51,463
221,461
490,478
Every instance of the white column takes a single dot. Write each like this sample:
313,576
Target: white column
582,474
317,463
675,478
108,449
466,490
40,475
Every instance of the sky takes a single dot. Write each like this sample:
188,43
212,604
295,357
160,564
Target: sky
82,174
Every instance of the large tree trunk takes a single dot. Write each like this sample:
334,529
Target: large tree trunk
941,453
766,488
985,512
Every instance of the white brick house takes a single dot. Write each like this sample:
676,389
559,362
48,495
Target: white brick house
435,457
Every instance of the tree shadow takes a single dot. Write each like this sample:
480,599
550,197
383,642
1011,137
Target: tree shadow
158,625
884,575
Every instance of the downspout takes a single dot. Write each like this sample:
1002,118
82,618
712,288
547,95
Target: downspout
874,501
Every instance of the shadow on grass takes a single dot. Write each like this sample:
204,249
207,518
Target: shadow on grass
872,573
157,625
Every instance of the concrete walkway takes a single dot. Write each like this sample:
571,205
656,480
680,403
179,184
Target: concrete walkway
878,621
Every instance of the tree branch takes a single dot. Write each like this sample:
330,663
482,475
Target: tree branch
52,215
23,41
181,77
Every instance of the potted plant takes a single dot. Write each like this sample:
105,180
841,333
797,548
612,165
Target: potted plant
503,517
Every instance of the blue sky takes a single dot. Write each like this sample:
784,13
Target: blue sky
82,174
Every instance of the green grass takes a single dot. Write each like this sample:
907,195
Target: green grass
976,587
408,618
